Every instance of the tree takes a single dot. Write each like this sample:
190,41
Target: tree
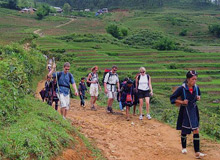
114,31
66,8
23,3
215,30
43,11
165,44
12,4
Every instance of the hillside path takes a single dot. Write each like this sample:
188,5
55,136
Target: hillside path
118,139
61,25
40,33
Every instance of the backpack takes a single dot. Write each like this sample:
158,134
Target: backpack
110,74
58,77
105,72
129,96
184,95
87,83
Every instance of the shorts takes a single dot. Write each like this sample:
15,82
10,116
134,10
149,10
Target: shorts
94,90
64,101
143,94
112,95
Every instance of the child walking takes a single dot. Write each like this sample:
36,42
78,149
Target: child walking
82,88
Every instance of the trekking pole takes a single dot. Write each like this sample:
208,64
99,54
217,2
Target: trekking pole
57,79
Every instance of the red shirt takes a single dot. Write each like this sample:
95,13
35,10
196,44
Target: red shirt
191,90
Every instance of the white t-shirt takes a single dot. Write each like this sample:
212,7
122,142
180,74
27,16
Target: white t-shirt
143,83
111,81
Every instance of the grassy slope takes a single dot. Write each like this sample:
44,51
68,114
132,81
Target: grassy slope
29,128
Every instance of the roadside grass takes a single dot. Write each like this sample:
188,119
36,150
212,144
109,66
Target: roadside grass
39,134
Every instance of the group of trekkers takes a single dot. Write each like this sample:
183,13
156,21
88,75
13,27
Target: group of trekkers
129,93
125,93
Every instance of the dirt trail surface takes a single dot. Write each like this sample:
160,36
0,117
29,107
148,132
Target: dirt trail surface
119,139
71,20
40,33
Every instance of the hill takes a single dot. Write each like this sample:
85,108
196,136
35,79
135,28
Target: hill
84,42
90,43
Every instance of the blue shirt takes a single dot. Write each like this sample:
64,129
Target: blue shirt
64,81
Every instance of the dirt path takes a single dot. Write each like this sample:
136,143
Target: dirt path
61,25
118,139
38,32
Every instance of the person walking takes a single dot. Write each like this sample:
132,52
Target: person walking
93,79
127,97
188,119
111,85
82,88
144,87
47,89
136,100
53,96
64,79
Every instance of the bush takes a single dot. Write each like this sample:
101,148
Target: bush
114,31
215,30
124,32
143,38
165,44
43,11
183,32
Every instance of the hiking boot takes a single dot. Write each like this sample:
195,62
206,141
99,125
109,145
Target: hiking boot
184,151
148,116
108,109
140,117
111,110
200,155
93,108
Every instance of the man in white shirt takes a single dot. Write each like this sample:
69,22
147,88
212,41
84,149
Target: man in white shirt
111,85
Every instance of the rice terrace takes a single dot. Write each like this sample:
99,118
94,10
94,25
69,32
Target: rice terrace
169,38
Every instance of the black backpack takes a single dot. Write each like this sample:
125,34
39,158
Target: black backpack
87,83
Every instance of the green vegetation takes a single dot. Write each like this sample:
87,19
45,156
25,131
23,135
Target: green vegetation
28,127
85,43
215,30
43,11
66,8
134,4
114,31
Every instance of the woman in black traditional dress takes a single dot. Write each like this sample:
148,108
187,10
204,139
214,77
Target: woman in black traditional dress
188,119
